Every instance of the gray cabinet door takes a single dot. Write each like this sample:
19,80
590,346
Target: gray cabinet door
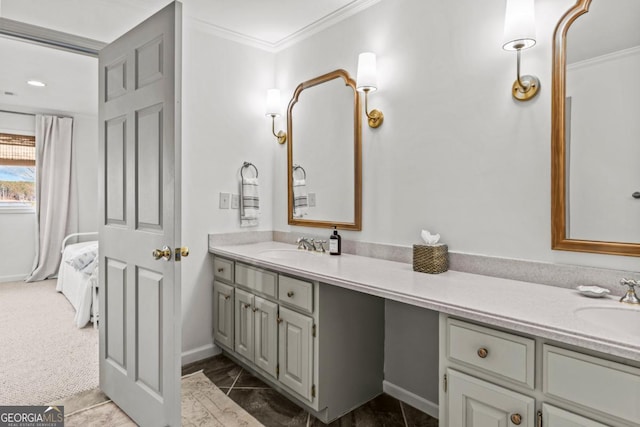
556,417
476,403
223,314
266,335
295,352
244,324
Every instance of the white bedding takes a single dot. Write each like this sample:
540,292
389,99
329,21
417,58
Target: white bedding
76,285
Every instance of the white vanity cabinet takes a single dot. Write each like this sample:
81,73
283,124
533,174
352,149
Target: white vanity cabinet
495,377
320,345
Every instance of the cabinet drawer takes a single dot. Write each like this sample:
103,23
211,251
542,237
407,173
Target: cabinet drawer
502,354
295,292
223,269
601,385
254,278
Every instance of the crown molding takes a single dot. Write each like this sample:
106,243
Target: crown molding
326,21
604,58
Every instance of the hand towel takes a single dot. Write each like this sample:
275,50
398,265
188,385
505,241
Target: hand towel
300,198
249,201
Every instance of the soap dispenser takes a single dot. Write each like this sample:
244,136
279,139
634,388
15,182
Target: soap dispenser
335,243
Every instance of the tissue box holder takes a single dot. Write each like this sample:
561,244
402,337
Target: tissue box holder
430,259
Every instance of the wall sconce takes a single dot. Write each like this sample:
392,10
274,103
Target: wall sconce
367,81
520,34
273,110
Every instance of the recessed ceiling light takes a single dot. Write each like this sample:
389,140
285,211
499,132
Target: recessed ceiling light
36,83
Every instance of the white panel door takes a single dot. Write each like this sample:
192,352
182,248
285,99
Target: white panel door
295,351
244,324
139,193
265,316
556,417
223,314
475,403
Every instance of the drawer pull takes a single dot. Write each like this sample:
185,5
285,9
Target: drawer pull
245,305
516,419
483,353
255,309
221,269
227,296
290,294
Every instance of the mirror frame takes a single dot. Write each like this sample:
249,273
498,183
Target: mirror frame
559,238
357,147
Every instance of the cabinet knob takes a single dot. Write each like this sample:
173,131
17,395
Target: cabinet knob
220,270
245,305
290,294
516,419
255,309
227,296
279,320
483,352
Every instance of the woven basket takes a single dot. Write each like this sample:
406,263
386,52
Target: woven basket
430,259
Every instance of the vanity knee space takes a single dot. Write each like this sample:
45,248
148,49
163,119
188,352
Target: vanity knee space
492,373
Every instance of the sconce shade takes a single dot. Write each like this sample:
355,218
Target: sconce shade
519,25
273,102
366,78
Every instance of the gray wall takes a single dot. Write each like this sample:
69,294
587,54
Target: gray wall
411,349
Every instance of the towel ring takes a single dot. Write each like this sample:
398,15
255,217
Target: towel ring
246,165
304,172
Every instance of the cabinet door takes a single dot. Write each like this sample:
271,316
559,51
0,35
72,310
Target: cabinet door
223,314
476,403
244,324
556,417
266,339
296,352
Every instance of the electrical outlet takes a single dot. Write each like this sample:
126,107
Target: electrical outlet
312,199
235,201
224,200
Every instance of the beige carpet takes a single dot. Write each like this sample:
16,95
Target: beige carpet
43,356
203,404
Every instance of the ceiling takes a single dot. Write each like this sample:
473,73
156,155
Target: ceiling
72,79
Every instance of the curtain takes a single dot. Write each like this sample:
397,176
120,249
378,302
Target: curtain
54,196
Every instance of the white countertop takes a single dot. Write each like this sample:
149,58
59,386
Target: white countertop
535,309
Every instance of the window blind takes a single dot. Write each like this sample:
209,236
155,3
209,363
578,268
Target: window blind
17,150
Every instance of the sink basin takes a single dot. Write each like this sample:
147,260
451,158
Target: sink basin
286,253
619,321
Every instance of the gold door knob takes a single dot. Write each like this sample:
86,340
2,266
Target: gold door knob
184,251
290,294
482,353
164,253
516,419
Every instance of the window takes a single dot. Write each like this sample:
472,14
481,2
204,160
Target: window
17,171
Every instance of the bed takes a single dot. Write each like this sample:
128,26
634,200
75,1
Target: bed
78,278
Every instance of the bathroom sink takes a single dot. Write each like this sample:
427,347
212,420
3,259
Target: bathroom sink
286,253
619,321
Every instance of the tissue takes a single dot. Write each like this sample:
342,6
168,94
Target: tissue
429,239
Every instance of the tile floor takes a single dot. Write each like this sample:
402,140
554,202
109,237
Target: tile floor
274,410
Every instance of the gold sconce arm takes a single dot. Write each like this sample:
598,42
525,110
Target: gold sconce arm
281,136
375,117
525,87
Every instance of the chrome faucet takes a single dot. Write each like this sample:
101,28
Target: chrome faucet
306,243
630,297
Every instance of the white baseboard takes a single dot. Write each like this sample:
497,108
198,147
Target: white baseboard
200,353
410,398
15,278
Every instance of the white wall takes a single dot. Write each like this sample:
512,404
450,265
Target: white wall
603,148
224,87
17,230
16,259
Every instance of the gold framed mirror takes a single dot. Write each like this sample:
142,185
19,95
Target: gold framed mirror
594,205
324,154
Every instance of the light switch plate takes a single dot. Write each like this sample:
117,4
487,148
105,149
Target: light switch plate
235,201
312,199
224,200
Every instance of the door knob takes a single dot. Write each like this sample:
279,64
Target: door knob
164,253
184,251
